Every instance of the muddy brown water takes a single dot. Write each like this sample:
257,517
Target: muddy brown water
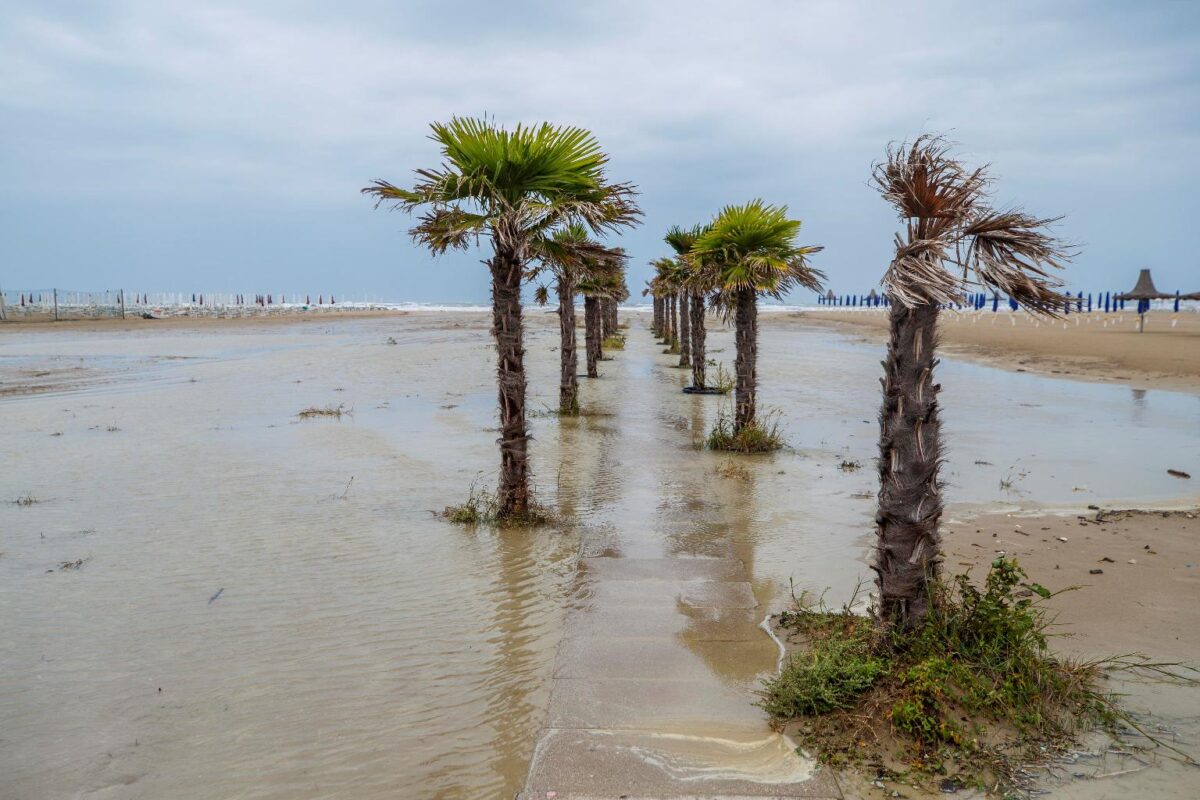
211,598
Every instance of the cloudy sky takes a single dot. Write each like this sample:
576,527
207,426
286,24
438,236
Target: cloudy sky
220,146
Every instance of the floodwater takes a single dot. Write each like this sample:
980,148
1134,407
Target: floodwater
208,597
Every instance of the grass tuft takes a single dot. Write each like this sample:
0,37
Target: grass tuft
314,412
616,342
762,436
974,692
482,508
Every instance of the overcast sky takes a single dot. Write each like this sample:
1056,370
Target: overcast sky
197,145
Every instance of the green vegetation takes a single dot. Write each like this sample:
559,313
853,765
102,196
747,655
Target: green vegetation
762,435
614,342
973,692
483,508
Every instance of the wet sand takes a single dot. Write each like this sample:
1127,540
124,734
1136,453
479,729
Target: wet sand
1091,346
316,636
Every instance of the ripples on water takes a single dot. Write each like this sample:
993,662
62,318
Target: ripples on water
360,647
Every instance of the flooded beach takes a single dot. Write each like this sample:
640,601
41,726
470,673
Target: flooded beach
203,594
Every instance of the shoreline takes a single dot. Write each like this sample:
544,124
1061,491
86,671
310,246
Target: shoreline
1105,348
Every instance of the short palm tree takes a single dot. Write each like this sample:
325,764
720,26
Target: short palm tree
747,251
951,243
570,256
511,187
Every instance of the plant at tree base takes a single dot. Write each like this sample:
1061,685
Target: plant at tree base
512,187
747,251
951,241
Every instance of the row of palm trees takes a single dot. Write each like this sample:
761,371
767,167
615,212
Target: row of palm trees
745,252
531,191
540,194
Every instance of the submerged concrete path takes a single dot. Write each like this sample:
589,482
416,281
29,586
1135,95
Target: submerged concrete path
653,693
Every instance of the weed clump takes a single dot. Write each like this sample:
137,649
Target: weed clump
974,692
482,508
614,342
761,436
315,412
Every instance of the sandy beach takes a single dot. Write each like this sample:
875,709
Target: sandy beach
1104,347
327,630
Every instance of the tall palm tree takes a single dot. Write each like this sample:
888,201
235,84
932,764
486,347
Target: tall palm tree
570,256
951,242
695,335
511,187
750,250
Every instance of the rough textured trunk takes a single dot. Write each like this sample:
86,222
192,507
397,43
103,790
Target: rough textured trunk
513,493
568,387
610,317
658,317
746,363
685,332
699,335
673,325
591,325
907,554
605,330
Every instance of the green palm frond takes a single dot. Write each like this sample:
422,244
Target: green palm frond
753,246
511,185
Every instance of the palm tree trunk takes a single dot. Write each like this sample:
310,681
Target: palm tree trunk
568,387
591,324
656,327
685,332
605,329
513,493
746,363
673,323
699,334
907,556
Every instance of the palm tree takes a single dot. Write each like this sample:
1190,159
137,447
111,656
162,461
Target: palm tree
570,256
602,281
692,326
750,250
951,242
511,187
662,288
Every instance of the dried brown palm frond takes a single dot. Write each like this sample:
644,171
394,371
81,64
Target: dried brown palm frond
926,183
1011,252
953,241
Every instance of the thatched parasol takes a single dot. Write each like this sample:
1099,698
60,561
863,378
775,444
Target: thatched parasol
1144,291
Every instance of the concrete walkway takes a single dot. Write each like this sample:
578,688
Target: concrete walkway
654,689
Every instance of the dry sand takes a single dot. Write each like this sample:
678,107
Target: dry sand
1091,346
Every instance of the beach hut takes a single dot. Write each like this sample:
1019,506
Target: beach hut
1144,291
